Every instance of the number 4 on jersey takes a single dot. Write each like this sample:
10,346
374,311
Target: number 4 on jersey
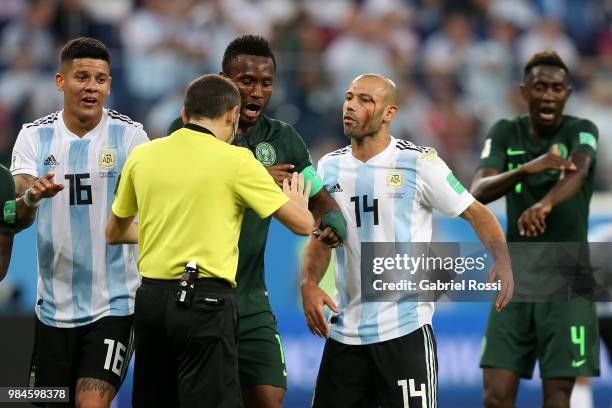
366,208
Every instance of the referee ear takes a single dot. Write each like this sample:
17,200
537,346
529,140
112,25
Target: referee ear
184,116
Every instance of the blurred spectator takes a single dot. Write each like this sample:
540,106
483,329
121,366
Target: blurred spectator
32,34
453,126
258,16
360,49
596,104
163,50
411,121
456,62
448,50
71,21
547,34
491,62
518,12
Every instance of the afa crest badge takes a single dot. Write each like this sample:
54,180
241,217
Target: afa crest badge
107,158
395,180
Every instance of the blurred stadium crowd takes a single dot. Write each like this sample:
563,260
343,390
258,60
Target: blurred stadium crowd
457,62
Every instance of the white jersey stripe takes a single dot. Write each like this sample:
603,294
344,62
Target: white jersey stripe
367,214
433,365
427,367
407,313
47,309
115,255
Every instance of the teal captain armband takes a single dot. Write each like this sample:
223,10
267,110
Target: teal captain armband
335,220
316,184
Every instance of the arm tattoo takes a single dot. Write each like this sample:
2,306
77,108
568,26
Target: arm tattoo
93,384
22,183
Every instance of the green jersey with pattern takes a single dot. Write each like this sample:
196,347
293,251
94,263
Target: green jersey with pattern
509,146
272,142
7,203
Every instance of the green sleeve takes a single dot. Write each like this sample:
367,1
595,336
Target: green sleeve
175,125
584,138
8,207
493,155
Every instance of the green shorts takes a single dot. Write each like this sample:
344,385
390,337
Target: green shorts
261,359
563,336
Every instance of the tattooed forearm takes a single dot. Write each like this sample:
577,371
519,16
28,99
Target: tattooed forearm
22,183
93,384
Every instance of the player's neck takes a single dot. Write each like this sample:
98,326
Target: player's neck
540,132
369,146
80,127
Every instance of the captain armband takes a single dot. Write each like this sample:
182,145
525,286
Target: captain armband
316,184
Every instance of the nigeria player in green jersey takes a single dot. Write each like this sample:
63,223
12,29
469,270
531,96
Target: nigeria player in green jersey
544,165
18,214
249,62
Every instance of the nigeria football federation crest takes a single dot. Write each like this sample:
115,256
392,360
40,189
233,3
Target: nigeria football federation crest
265,154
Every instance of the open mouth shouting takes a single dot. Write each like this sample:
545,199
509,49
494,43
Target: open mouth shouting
547,114
251,111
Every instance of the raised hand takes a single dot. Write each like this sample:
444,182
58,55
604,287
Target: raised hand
43,187
280,172
296,190
548,161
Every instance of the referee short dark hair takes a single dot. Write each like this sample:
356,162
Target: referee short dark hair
210,96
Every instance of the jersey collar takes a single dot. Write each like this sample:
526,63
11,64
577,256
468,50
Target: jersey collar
198,128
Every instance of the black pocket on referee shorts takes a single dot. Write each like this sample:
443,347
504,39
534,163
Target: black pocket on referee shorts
207,318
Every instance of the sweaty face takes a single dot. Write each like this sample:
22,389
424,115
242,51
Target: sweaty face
86,84
254,77
362,111
546,90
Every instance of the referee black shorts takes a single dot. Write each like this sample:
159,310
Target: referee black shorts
397,373
186,356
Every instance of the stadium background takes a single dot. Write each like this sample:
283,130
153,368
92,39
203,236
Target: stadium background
457,64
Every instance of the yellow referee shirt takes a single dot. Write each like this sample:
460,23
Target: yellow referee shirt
190,190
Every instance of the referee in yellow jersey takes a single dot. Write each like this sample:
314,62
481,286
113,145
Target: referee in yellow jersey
190,190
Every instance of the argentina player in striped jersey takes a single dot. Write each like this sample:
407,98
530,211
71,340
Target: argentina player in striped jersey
384,353
86,288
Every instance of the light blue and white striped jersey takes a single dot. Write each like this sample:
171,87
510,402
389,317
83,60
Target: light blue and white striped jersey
80,278
407,182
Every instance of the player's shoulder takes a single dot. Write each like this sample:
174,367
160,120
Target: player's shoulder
45,121
504,125
579,124
117,118
336,154
239,152
407,147
279,128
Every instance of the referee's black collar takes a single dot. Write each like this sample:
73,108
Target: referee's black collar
198,128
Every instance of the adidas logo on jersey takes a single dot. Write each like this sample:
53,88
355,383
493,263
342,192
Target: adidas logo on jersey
51,161
336,189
